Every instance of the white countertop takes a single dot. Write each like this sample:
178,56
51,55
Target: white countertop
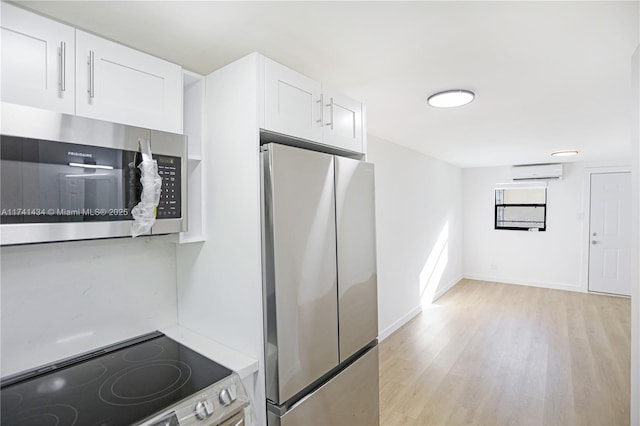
230,358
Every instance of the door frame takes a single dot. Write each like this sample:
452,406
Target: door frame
586,236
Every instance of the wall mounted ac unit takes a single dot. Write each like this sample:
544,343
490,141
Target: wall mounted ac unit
536,172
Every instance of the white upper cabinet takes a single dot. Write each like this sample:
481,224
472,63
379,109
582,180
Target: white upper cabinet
49,65
298,106
293,102
342,122
37,61
116,83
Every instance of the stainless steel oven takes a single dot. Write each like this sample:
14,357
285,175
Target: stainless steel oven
65,177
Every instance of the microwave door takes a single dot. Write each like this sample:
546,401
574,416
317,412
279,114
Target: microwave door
93,193
71,192
107,193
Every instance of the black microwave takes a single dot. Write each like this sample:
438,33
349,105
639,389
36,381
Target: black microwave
65,177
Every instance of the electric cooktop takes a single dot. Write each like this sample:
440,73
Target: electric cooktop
118,385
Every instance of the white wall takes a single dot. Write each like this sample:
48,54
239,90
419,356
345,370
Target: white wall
635,301
419,230
556,258
62,299
548,259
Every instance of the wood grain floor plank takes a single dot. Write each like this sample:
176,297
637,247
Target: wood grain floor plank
500,354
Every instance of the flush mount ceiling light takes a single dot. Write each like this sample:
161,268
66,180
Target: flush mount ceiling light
565,153
451,98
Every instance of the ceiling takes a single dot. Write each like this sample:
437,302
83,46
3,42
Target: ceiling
548,75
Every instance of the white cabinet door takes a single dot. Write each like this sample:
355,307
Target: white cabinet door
292,102
119,84
342,122
37,61
298,106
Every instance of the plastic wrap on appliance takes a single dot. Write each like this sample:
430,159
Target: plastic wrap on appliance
144,213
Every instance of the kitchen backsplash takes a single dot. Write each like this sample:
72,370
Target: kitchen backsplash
62,299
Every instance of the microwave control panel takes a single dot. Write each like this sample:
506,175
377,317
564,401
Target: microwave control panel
169,169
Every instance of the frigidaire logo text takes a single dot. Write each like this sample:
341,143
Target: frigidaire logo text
79,154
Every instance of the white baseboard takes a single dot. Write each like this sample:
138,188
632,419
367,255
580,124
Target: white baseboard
415,311
441,292
399,323
541,284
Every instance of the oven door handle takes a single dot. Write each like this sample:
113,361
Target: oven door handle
235,420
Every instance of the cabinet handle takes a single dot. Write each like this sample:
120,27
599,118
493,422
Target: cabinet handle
330,104
63,66
321,102
91,90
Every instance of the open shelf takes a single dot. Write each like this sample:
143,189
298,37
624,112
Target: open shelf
193,95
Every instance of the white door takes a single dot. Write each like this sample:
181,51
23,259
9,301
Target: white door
610,233
116,83
37,61
342,122
292,102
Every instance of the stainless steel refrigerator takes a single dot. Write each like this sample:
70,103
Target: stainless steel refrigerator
320,288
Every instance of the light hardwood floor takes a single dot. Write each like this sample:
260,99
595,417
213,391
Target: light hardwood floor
499,354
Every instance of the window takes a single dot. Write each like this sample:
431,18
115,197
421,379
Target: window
521,208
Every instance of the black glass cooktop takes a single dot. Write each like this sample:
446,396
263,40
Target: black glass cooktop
115,386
